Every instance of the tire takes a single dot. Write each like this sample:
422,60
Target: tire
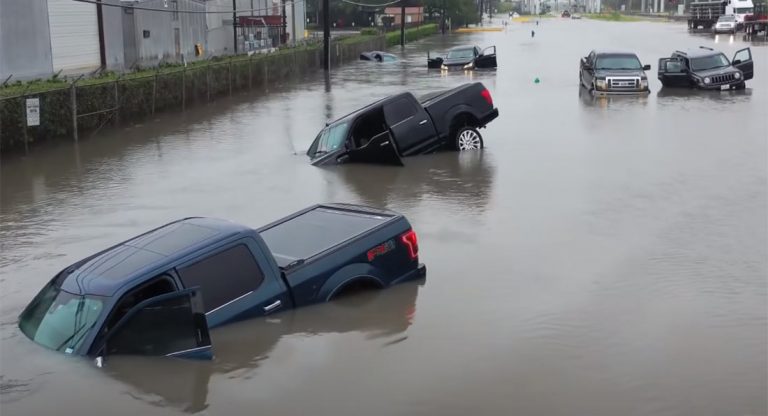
468,138
741,86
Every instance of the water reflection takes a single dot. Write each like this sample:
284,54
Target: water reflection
463,179
240,348
722,96
608,101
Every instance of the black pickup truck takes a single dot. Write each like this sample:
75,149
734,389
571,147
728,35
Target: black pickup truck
401,125
158,293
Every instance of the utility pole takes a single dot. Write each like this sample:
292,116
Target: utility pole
402,23
285,22
326,36
293,21
234,24
442,14
481,12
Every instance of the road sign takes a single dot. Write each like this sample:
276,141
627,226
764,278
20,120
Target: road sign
33,111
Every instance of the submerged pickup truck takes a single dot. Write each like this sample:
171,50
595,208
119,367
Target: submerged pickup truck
160,292
401,125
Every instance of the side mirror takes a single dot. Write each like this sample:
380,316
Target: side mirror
646,67
736,62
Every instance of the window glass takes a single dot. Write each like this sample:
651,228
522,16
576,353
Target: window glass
399,110
743,55
709,62
461,53
330,139
160,328
618,62
60,320
674,66
224,276
155,287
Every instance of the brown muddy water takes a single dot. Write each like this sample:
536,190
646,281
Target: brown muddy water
599,257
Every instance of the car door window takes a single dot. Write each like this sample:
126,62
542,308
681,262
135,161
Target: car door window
399,110
674,66
591,58
155,287
224,276
164,326
743,55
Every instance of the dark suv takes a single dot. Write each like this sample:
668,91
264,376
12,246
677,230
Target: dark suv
604,72
707,69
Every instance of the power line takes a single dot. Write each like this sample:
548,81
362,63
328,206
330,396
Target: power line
164,10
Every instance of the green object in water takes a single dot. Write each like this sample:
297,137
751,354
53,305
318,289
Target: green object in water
537,80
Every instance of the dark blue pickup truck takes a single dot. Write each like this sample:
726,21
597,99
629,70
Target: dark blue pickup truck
158,293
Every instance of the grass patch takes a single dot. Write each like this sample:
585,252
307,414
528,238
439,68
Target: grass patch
613,17
412,34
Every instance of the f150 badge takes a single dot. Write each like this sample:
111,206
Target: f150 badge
381,249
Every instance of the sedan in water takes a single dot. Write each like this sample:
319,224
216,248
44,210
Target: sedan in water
613,72
378,56
464,57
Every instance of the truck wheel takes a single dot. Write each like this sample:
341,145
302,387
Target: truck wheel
741,86
468,138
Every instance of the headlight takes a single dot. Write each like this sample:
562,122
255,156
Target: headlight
469,65
600,84
644,83
707,80
737,75
444,67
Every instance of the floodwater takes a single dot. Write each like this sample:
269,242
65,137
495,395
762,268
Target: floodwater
599,257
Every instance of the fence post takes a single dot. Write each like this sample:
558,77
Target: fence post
154,91
229,75
73,97
183,89
250,72
208,81
117,101
24,123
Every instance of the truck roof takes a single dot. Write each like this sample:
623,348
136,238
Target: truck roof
106,272
698,52
603,52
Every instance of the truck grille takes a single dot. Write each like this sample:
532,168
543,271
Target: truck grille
623,83
722,79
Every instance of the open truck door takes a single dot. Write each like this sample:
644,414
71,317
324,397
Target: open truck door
380,149
672,73
434,63
486,59
743,61
171,324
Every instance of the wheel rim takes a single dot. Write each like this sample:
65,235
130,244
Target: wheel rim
469,140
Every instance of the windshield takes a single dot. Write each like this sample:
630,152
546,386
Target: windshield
330,139
59,320
709,62
618,62
726,19
461,53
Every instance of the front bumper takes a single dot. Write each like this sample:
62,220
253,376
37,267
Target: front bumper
621,92
724,29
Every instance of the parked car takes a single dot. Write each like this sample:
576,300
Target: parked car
401,125
706,68
613,72
378,56
464,57
726,24
565,13
160,292
576,16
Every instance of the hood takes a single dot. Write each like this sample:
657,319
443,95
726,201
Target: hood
457,61
602,73
715,71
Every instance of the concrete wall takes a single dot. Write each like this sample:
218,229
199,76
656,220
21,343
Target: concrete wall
113,36
25,45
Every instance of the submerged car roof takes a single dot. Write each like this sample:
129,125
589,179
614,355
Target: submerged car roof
136,259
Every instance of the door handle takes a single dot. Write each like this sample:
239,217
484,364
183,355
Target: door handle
273,306
422,122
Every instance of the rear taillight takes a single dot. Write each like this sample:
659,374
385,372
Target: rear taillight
487,95
411,242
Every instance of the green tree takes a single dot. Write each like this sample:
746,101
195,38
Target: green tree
461,12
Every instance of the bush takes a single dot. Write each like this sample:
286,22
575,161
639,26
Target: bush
369,31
